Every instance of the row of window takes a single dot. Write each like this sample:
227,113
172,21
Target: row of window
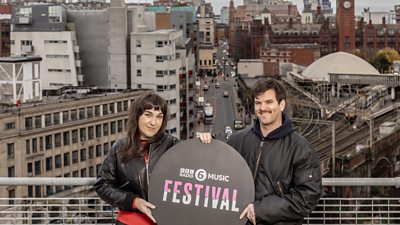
90,172
158,44
64,160
159,73
74,115
74,136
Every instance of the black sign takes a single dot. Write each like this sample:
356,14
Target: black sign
200,184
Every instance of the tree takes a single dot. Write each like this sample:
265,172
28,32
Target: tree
383,60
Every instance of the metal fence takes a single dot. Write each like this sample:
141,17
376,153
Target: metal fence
92,210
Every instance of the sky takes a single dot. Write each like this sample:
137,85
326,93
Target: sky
375,5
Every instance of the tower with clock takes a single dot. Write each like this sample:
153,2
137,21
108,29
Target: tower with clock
345,25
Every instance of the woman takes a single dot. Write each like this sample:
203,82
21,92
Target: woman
124,175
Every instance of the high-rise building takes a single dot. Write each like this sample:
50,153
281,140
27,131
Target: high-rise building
43,30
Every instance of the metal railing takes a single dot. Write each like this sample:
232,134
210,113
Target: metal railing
92,210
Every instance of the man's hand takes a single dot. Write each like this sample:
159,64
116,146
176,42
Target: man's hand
249,213
205,138
145,207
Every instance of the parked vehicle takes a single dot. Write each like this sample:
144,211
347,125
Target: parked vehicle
226,94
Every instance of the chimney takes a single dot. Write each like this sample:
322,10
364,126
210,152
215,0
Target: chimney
290,23
318,10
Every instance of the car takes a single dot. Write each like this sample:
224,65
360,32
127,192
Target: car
205,88
217,85
238,124
233,73
228,131
226,94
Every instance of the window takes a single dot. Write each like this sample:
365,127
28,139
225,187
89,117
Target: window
105,148
112,127
10,150
138,73
98,150
57,140
65,117
47,120
38,121
90,133
75,173
75,157
91,171
38,191
138,43
58,161
119,126
40,143
49,190
98,131
105,129
34,145
160,88
91,152
90,112
55,14
82,132
97,111
83,172
10,125
74,136
159,44
11,171
112,108
74,115
119,107
66,159
49,163
27,147
11,196
105,109
24,12
82,113
29,170
83,154
138,58
66,137
28,123
49,140
56,118
38,169
125,105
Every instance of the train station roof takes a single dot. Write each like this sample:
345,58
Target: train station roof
339,62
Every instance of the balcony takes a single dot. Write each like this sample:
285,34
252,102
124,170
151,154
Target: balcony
89,209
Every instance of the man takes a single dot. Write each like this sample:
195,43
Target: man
285,168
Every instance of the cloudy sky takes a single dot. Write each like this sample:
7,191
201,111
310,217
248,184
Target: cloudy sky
375,5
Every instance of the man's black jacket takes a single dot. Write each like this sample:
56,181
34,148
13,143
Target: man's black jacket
294,169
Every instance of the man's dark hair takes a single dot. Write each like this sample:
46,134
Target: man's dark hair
266,84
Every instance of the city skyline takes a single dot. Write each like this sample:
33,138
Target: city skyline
360,5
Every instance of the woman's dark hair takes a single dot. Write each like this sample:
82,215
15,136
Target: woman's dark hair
266,84
133,146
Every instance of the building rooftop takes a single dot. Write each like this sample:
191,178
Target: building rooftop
339,62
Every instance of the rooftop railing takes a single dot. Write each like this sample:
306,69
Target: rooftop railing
92,210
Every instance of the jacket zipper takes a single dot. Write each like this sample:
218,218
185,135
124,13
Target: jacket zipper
147,159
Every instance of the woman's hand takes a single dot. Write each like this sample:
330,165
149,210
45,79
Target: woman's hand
205,138
145,207
249,213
